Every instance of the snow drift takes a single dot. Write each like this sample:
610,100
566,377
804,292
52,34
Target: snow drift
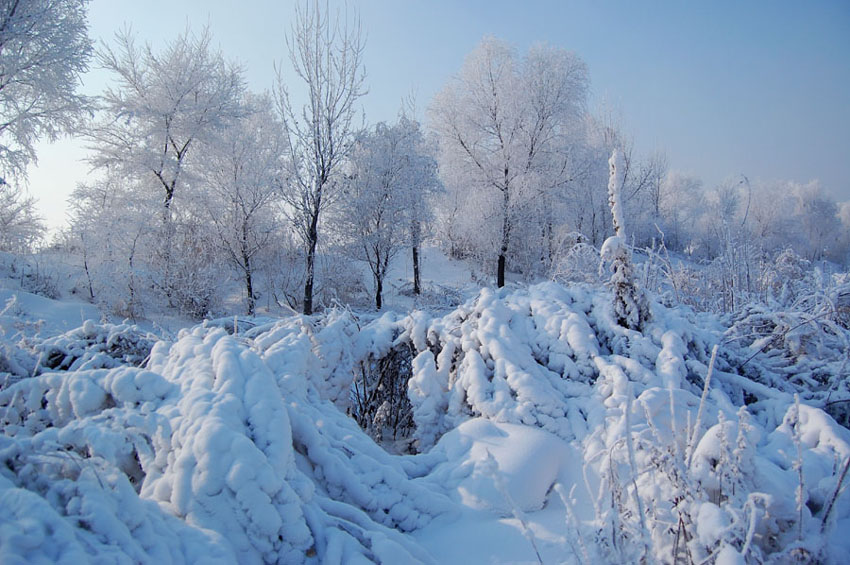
527,405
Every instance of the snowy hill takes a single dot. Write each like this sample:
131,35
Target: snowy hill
543,431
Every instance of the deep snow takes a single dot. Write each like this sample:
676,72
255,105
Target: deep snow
543,428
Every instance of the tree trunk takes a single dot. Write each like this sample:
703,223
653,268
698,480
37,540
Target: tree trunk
311,259
417,289
246,263
249,286
500,275
379,288
506,234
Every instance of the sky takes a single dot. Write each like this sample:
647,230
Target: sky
724,88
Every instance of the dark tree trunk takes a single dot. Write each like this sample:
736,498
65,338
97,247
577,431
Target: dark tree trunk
500,274
246,263
414,228
417,289
249,286
506,235
379,289
311,260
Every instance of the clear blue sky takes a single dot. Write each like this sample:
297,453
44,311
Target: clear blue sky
723,87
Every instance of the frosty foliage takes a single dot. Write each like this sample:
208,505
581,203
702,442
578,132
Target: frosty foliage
505,125
20,225
386,197
45,50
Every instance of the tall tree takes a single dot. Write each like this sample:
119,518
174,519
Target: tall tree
327,56
44,49
163,106
385,198
243,172
423,183
166,105
501,122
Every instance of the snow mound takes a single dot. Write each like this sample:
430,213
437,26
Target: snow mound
666,435
199,455
500,467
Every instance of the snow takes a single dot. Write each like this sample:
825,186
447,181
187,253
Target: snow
527,460
25,313
541,427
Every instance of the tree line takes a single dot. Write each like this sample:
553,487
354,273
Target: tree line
199,180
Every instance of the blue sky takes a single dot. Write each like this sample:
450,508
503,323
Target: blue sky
723,87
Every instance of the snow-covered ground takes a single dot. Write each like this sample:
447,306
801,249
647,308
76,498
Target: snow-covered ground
543,432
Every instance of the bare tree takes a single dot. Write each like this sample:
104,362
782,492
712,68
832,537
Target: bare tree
327,56
44,49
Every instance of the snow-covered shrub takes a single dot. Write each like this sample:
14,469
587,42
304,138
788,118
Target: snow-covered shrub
337,283
796,352
380,403
208,454
91,346
631,308
235,448
786,277
576,260
317,350
667,474
38,278
94,346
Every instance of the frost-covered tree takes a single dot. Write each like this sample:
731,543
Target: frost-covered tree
817,221
501,123
165,106
631,309
327,57
681,208
385,198
44,49
243,172
110,227
422,183
20,225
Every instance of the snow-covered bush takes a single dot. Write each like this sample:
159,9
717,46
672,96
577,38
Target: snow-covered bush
94,346
575,260
208,454
380,403
240,447
91,346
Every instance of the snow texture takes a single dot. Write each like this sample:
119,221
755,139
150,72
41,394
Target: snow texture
539,419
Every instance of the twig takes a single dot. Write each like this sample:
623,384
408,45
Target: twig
835,494
692,442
